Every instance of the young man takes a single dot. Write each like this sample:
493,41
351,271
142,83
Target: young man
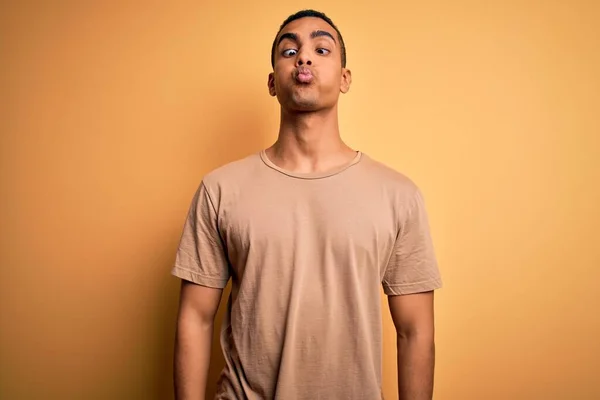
307,230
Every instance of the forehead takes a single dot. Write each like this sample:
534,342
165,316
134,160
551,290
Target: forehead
305,26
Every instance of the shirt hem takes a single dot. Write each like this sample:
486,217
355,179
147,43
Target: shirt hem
198,278
412,288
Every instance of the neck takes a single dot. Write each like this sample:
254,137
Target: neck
309,141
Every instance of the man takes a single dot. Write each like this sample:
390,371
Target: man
307,230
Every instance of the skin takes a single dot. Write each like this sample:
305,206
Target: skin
413,318
309,137
195,322
308,141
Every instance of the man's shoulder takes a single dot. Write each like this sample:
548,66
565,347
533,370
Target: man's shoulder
234,171
388,176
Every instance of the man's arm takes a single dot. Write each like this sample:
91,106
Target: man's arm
413,318
197,308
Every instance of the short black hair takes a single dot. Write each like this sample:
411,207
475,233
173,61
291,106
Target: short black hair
309,13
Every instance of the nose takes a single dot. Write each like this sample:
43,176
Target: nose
303,58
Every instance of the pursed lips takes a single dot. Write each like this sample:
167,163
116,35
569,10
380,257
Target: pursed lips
303,75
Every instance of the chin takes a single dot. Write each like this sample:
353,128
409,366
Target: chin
305,106
304,103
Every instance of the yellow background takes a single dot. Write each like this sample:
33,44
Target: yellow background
111,112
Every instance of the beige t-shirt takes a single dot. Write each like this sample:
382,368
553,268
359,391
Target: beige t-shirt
306,254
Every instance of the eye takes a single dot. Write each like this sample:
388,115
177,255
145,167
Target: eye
289,52
322,51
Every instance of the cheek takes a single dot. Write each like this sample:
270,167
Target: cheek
277,81
332,79
282,75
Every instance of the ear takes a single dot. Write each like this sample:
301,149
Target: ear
271,84
346,80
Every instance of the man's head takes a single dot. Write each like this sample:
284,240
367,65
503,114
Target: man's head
309,63
310,14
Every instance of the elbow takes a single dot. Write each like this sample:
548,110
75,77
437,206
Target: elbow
190,318
413,334
421,342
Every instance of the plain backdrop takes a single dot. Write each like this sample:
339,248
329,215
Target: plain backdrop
111,113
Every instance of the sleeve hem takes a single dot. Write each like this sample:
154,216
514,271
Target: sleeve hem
412,288
197,278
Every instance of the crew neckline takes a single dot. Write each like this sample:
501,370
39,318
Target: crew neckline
310,175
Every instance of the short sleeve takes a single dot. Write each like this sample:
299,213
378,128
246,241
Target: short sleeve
200,257
412,267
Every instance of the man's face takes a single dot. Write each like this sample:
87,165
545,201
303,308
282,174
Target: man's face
308,73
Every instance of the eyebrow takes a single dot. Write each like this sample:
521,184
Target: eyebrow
288,35
294,37
319,33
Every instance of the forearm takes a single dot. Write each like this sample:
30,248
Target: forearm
192,357
416,361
